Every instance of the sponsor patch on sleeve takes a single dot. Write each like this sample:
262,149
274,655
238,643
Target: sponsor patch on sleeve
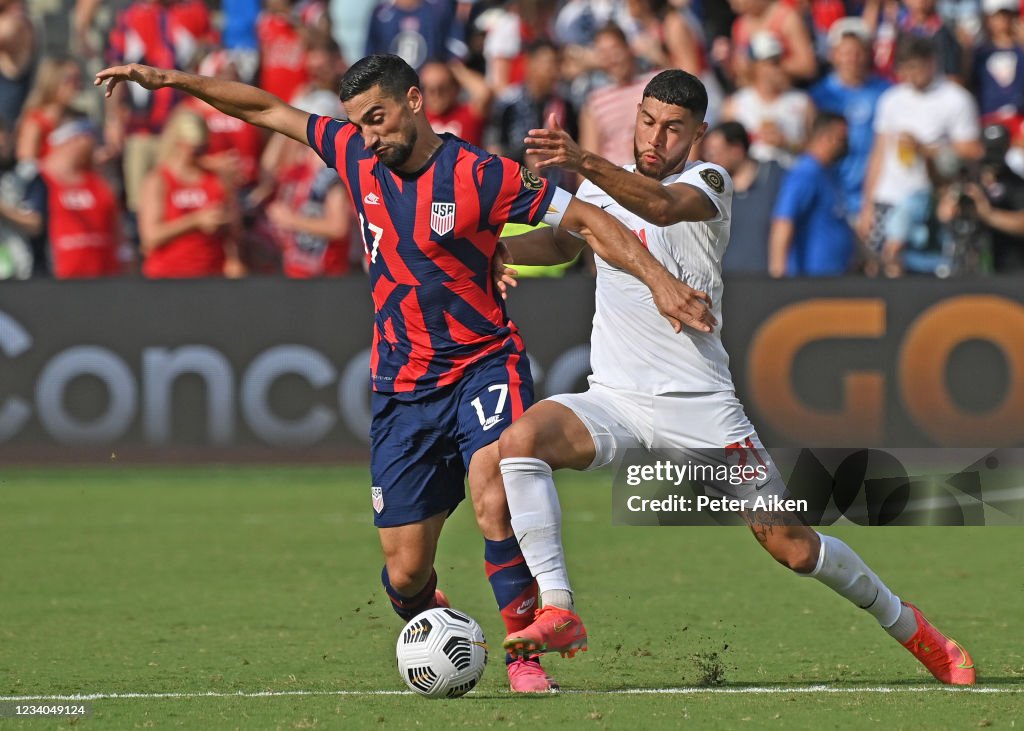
713,179
530,180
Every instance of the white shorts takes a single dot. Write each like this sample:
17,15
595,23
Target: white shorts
619,420
686,422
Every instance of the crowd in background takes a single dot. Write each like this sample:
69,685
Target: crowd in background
876,136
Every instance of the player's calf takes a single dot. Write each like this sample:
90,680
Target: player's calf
796,547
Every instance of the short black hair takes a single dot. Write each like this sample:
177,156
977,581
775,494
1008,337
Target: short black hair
681,89
391,73
825,119
914,48
734,134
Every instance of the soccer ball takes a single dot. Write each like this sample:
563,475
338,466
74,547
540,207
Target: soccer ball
441,653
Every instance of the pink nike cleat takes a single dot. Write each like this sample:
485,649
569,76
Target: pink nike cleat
525,675
553,630
944,657
440,600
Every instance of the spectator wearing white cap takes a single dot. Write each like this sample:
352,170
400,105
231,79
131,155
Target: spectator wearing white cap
997,70
852,90
776,115
83,217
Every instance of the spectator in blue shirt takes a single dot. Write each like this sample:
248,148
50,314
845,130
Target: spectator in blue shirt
852,91
417,30
810,234
997,73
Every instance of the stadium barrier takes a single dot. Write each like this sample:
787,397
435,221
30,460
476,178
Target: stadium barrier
273,369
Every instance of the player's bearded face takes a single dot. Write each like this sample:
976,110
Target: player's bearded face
394,152
663,138
388,126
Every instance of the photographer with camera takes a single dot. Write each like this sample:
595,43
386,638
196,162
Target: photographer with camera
998,201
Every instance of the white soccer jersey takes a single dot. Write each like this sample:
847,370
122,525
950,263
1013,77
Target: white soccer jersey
633,347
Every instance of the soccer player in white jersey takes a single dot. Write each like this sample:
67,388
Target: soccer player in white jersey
655,388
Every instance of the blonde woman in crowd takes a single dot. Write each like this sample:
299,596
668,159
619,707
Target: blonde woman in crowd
187,221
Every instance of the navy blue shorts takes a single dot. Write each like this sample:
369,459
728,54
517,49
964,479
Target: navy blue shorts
420,445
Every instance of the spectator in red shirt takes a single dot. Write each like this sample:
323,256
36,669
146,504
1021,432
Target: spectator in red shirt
164,33
187,222
282,50
442,85
83,215
58,82
233,147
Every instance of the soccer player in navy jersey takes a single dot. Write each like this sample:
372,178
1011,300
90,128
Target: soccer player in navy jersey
449,369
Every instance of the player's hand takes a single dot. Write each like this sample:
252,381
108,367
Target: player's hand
553,146
682,305
504,276
145,76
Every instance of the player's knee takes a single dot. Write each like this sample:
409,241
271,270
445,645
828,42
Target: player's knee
408,578
519,440
797,555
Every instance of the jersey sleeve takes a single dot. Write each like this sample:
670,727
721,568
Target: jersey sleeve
520,196
329,138
715,183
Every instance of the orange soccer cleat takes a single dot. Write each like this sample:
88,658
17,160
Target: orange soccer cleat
553,630
525,675
944,657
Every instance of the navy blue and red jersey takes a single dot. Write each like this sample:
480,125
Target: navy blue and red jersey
429,239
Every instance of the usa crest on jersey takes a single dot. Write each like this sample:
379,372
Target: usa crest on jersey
442,218
377,498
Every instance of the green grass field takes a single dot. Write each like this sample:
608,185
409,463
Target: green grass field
249,579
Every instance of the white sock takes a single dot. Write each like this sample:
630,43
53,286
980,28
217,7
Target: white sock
537,523
843,571
557,598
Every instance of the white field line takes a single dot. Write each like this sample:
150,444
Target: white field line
745,690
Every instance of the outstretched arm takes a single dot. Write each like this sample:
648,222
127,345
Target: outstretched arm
662,205
245,102
544,246
680,304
